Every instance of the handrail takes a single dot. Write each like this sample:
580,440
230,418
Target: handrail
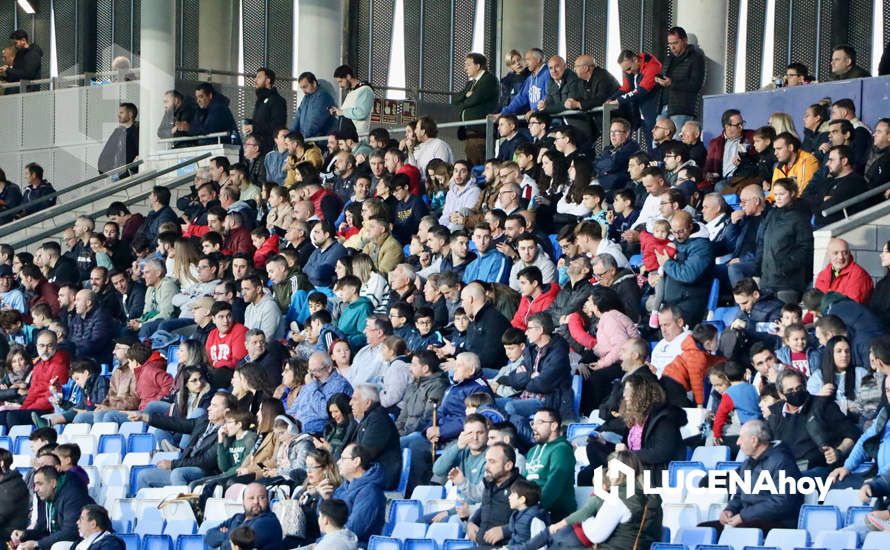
130,201
70,78
43,215
7,213
855,200
193,138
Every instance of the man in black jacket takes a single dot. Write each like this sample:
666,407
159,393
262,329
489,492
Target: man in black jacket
269,111
486,321
60,497
844,184
599,85
877,167
198,459
159,201
812,426
130,294
376,432
487,527
565,86
684,75
94,527
27,63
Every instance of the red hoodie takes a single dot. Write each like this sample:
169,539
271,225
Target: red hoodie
527,307
649,244
152,381
43,372
226,351
269,248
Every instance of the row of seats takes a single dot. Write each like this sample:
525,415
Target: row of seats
390,543
163,542
736,538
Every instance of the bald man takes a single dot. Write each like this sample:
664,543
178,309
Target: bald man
90,329
689,274
565,86
843,274
257,516
485,321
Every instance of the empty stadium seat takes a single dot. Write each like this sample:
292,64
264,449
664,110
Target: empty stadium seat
876,541
440,532
428,492
435,505
134,472
21,444
157,542
20,430
693,536
140,443
131,540
377,542
666,546
711,455
150,522
172,360
419,544
102,428
107,459
112,443
580,430
190,542
215,510
856,515
128,428
137,459
403,479
843,499
408,530
835,540
70,430
786,539
814,518
177,527
685,466
728,465
453,544
680,516
739,537
6,443
86,442
404,511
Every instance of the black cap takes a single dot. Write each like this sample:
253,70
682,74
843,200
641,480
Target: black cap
126,340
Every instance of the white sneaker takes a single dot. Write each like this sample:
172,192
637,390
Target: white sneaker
168,447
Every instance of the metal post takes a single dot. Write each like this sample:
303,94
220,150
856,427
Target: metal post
420,54
489,139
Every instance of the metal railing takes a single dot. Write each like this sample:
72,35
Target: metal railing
64,81
6,214
842,207
128,183
215,135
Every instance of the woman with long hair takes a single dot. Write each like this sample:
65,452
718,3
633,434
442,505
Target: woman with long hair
293,375
653,425
782,122
185,263
374,285
787,266
15,377
553,184
438,174
837,376
250,386
14,497
613,327
815,129
321,471
340,426
263,453
571,205
281,213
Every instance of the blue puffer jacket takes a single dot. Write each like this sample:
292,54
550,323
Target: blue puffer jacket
533,90
312,117
520,527
366,501
91,334
265,526
763,505
452,410
688,278
492,267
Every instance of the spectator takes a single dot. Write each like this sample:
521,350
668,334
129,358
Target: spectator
95,531
739,400
611,164
529,254
357,104
212,115
537,296
361,490
257,515
598,85
177,114
428,385
686,373
262,312
10,193
36,190
690,136
269,111
332,517
410,209
159,202
639,93
565,87
488,525
27,63
59,500
723,150
376,433
785,245
843,274
510,136
312,401
429,145
843,64
843,185
551,463
225,344
490,265
879,304
533,89
462,197
159,294
313,117
684,75
320,265
90,330
13,515
381,245
512,82
793,162
575,290
688,274
877,167
50,372
463,463
477,100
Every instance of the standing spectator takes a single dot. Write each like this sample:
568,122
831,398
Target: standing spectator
27,63
10,193
639,91
477,100
269,111
598,84
533,90
60,500
684,75
313,117
785,245
429,145
90,329
257,516
36,189
359,99
213,114
688,274
565,86
843,64
512,82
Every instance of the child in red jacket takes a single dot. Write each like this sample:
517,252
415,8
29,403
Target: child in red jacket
650,243
150,368
266,246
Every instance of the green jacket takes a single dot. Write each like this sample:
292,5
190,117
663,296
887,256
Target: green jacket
284,291
482,99
230,454
352,321
552,467
644,526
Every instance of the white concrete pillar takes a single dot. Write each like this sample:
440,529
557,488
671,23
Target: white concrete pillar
157,68
318,41
705,22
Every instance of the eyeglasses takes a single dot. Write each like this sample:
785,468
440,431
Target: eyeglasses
736,124
532,327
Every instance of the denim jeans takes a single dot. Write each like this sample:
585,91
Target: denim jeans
156,477
519,411
110,416
86,417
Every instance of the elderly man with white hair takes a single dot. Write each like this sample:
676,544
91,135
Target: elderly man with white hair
368,363
763,509
843,274
376,432
311,406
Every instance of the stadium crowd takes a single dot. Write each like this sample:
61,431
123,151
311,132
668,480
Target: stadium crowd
305,315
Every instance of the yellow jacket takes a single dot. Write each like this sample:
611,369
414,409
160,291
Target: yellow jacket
386,254
802,171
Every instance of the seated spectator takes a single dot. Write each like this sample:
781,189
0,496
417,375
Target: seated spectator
368,365
428,385
843,64
152,381
838,315
15,492
490,265
90,329
813,427
381,245
879,304
762,509
463,464
90,389
843,274
757,311
844,184
49,374
672,323
611,164
376,433
257,515
877,167
311,406
837,375
333,514
688,274
488,525
529,253
738,399
723,150
551,463
633,518
362,490
356,310
536,296
36,189
793,162
686,373
225,344
59,502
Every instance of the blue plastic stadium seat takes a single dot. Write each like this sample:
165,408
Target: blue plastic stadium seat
21,445
577,381
404,510
711,455
172,361
384,543
128,428
786,539
739,537
419,544
112,443
178,527
693,536
428,492
876,541
452,544
856,515
814,518
134,473
440,532
714,295
406,469
130,540
6,443
557,250
835,540
580,430
686,466
635,261
666,546
409,530
140,443
728,465
189,542
150,523
20,430
157,542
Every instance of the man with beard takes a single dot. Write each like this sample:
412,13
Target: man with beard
269,111
176,111
106,298
843,185
50,370
551,464
487,527
257,515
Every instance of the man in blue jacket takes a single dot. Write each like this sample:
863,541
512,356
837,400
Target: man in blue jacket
313,117
212,115
689,274
534,89
94,527
361,490
490,266
90,328
257,516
